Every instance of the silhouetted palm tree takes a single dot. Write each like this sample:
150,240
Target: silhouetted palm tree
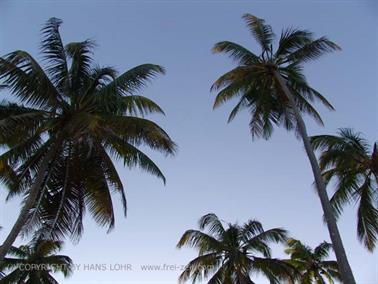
34,263
273,88
230,255
349,159
312,263
62,132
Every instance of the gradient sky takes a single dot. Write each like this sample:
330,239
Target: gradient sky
218,167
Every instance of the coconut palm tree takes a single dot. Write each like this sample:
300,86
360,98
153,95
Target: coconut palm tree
312,263
273,88
349,159
61,132
34,263
231,255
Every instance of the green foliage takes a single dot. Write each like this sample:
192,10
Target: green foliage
254,84
348,159
312,263
34,263
231,255
90,116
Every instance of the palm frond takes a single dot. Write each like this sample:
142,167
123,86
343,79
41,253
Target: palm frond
132,156
132,80
27,81
237,52
212,223
292,39
274,269
313,50
367,216
322,250
204,243
240,74
80,55
200,268
54,53
262,32
135,105
139,131
111,174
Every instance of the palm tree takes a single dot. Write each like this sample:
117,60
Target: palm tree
62,132
34,263
274,90
312,263
232,254
349,159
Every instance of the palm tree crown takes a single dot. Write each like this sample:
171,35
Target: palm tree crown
68,122
230,255
272,87
255,85
349,159
34,263
312,263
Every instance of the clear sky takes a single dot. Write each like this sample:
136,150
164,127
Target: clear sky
218,167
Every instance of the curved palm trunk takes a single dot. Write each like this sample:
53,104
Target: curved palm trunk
30,201
342,260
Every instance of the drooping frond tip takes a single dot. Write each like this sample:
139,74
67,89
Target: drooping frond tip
52,23
235,51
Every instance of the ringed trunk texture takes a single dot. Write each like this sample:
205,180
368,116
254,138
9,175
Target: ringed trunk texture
342,260
30,201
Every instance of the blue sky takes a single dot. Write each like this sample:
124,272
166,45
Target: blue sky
218,167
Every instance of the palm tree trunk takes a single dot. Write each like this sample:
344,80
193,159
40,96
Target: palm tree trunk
29,203
342,260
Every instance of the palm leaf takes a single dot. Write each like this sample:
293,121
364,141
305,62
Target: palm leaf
292,39
27,81
54,53
262,32
132,80
313,50
80,70
236,52
367,216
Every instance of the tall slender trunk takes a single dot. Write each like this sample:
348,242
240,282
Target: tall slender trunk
29,203
342,260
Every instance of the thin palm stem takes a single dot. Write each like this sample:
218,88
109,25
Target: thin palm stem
345,269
